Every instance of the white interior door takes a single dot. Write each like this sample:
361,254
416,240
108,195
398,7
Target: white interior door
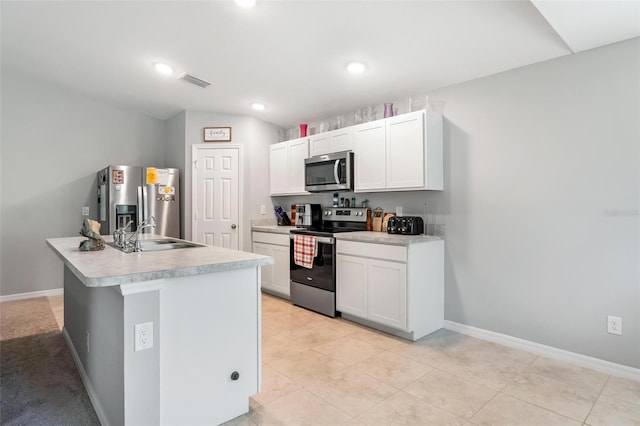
216,208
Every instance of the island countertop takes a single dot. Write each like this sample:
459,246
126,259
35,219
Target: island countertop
111,266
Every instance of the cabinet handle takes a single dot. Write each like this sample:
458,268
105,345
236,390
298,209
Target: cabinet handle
235,376
233,226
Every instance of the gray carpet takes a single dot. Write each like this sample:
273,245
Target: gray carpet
39,381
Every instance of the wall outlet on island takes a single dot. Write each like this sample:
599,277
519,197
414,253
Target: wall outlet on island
144,336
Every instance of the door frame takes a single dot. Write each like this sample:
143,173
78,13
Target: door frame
194,186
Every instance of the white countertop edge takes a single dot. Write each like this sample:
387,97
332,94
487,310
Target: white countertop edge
272,229
140,277
384,238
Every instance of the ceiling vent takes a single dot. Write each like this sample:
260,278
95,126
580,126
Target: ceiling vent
194,80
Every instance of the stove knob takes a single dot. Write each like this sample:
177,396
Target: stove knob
329,213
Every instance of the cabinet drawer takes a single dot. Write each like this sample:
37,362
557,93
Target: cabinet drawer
270,238
377,251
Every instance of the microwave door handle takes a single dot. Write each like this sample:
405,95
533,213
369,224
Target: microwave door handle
336,174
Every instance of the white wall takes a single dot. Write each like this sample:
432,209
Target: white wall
541,202
53,143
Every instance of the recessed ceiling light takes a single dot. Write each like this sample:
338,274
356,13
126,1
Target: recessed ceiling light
258,106
164,69
245,3
355,67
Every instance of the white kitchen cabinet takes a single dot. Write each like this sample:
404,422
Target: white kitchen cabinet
399,153
370,156
351,295
275,278
387,293
286,167
394,288
334,141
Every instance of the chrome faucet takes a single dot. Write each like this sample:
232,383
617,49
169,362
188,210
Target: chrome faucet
149,222
119,235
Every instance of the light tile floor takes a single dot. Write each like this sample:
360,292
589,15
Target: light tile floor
323,371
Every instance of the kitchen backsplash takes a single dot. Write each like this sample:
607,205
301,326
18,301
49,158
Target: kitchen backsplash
412,203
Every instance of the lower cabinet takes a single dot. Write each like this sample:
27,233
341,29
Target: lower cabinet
396,287
275,278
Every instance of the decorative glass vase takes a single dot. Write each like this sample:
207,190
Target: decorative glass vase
388,109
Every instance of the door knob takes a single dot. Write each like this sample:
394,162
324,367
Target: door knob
233,226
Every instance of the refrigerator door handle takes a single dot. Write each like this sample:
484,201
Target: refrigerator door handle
141,203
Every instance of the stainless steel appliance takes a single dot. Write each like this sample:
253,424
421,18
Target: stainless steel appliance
133,193
315,288
309,216
405,225
329,172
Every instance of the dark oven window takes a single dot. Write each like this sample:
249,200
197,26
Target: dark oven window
322,275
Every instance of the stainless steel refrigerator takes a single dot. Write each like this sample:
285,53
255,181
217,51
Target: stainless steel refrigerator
134,193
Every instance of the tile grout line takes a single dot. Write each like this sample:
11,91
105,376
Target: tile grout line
595,401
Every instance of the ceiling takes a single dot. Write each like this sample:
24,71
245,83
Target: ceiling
291,55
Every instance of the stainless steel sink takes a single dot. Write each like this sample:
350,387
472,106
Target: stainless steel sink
158,245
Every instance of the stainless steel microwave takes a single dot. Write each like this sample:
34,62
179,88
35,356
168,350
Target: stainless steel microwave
329,172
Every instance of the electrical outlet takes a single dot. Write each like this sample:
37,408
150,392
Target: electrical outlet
398,210
87,340
263,209
143,336
85,211
614,325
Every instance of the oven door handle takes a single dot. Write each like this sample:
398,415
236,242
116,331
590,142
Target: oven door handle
321,240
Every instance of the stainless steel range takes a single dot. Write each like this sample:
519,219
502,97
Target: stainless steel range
315,288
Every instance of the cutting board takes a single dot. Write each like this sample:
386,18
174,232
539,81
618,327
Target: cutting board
378,216
385,220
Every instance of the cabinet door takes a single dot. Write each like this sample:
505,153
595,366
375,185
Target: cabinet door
320,144
405,151
342,139
370,156
267,274
387,293
278,169
351,285
298,152
280,275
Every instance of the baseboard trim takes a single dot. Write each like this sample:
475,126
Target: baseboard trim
85,380
31,295
548,351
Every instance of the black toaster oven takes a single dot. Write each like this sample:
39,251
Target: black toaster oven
405,225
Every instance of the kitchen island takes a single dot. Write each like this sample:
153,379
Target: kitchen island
163,337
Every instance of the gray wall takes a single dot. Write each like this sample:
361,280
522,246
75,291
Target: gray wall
255,136
541,206
174,154
53,143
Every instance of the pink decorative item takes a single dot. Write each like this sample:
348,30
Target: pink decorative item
303,130
388,109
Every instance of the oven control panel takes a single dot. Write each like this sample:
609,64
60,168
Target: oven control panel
345,214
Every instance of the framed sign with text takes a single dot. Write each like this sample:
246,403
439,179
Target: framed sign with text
217,134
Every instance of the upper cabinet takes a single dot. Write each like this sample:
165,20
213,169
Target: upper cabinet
286,167
401,153
334,141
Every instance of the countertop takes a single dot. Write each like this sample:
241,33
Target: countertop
384,238
273,229
111,267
